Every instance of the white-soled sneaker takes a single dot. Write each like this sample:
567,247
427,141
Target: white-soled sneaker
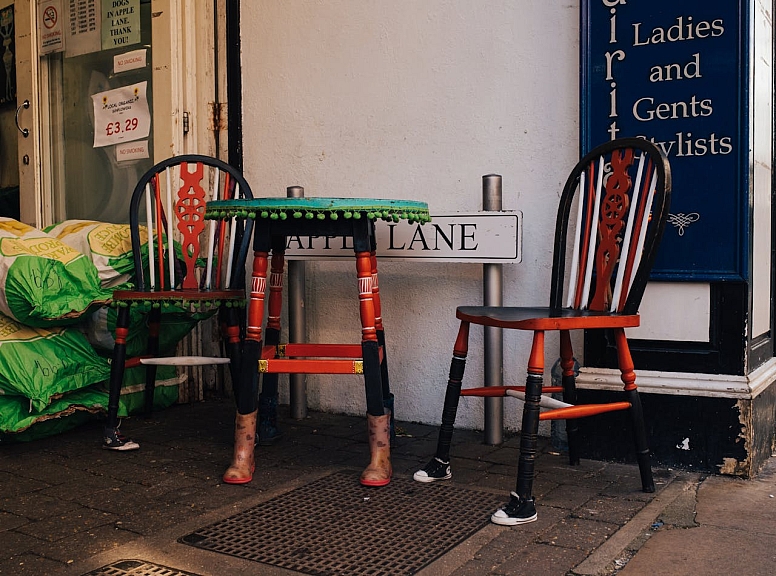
112,439
435,470
515,512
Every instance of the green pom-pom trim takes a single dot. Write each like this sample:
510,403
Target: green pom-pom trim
281,211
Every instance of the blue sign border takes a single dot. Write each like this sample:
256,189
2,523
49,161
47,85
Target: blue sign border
690,251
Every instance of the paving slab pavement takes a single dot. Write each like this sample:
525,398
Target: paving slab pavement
733,531
67,507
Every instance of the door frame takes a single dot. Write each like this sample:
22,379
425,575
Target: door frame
31,204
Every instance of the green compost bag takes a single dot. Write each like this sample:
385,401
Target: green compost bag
176,323
42,364
43,281
108,245
18,424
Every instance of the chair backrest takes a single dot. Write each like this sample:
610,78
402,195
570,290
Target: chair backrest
167,216
615,203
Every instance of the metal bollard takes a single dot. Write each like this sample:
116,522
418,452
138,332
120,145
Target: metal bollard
492,289
297,325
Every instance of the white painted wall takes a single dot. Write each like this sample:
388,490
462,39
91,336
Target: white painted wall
416,100
762,138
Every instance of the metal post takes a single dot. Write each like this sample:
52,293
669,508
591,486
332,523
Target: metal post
492,289
297,329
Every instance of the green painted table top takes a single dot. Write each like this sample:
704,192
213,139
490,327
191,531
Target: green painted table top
320,208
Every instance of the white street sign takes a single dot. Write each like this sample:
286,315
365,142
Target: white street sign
486,237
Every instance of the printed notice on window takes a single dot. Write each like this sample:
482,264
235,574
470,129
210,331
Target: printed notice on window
82,36
120,23
121,115
51,27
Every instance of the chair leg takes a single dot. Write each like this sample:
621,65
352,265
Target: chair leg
154,324
640,439
247,383
521,507
112,439
370,351
267,430
438,468
568,381
637,414
230,334
388,398
378,472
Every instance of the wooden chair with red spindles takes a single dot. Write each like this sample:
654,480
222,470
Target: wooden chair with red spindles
180,261
611,217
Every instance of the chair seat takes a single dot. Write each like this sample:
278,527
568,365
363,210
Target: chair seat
544,318
177,295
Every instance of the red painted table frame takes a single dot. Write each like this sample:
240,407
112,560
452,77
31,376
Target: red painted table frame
263,348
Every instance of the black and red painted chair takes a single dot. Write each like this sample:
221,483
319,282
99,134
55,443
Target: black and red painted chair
183,263
614,205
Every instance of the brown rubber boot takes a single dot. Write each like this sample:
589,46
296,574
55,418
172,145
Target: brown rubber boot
379,471
241,469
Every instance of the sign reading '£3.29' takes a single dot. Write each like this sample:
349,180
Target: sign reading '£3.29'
674,73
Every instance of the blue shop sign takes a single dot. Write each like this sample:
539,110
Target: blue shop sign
676,73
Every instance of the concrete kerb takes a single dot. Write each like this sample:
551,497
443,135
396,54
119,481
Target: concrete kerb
631,536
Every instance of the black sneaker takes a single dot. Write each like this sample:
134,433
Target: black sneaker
433,471
516,512
112,439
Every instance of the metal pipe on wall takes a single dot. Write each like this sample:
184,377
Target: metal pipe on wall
297,326
492,291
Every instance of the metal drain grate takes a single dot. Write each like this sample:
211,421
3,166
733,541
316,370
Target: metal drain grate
336,526
137,568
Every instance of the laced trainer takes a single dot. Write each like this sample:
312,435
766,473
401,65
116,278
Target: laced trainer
433,471
516,511
113,439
